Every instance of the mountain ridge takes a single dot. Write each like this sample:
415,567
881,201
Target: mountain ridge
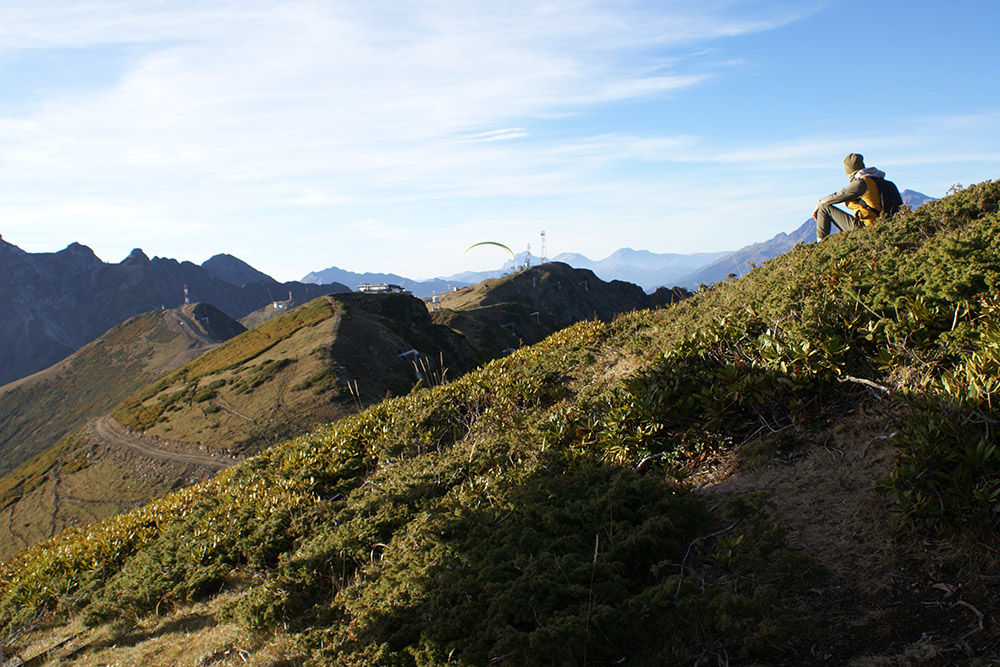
235,271
39,414
41,408
57,302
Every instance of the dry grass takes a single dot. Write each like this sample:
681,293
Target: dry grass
191,636
824,490
114,481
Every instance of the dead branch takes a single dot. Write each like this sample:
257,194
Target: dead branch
867,383
979,616
695,541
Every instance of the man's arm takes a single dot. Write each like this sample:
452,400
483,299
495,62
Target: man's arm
849,192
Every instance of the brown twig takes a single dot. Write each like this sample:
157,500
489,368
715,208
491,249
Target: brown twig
867,383
979,615
695,541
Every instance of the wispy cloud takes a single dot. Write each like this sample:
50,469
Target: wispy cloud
493,135
265,90
311,116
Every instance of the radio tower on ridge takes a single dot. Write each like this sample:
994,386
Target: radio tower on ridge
187,297
543,257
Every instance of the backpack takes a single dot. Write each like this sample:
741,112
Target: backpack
889,193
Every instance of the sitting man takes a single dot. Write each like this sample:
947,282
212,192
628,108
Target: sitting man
861,196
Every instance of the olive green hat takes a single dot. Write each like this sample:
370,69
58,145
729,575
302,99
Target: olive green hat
853,162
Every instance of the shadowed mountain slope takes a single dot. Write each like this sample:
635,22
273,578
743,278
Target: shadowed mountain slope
315,363
235,271
54,303
523,308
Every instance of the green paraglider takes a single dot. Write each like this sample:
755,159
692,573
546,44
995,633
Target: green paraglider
499,245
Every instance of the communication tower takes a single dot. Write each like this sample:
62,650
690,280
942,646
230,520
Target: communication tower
187,297
543,258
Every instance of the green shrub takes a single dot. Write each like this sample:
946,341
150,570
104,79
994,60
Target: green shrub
204,395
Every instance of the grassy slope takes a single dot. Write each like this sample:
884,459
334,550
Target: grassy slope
80,481
39,410
529,513
271,383
53,480
292,371
276,381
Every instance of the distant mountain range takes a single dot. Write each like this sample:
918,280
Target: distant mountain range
641,267
54,303
420,288
915,199
647,269
740,262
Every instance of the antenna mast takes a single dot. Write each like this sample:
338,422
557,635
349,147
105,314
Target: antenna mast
543,258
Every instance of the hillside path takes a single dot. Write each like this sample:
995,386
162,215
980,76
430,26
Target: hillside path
110,431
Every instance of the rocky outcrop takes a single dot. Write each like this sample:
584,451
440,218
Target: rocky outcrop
571,295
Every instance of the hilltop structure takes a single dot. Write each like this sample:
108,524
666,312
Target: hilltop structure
382,288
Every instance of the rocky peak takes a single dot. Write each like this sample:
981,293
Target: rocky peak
78,251
136,257
235,271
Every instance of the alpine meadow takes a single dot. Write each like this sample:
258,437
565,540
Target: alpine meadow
795,467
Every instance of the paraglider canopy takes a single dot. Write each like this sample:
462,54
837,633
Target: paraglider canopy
481,243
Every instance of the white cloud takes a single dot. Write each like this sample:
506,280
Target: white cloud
493,135
306,115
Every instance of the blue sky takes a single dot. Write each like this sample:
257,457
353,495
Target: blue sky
388,136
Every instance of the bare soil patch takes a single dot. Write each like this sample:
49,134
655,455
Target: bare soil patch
892,598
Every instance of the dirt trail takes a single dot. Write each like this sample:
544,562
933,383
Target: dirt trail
111,432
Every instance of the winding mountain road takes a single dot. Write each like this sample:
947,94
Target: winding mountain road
107,429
